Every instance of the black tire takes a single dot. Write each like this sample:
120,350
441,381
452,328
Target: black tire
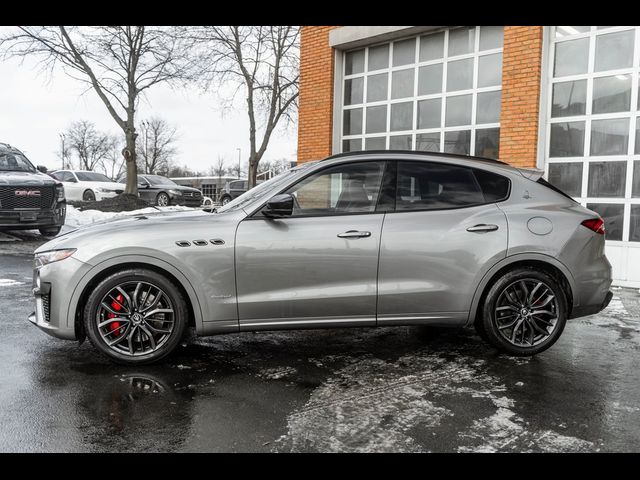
50,231
163,200
517,277
91,315
88,196
226,199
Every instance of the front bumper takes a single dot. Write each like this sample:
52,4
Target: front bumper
104,195
29,220
187,201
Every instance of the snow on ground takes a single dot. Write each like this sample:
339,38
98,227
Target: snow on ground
76,218
7,282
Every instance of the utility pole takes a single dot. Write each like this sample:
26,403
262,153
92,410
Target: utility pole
63,152
239,150
145,124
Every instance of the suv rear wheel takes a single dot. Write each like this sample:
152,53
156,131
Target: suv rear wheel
524,312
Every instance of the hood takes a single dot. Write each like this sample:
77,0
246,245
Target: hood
180,188
83,235
26,178
108,185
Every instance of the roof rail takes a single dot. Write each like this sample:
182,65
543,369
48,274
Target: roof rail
417,152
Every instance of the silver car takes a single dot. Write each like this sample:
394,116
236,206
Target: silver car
360,239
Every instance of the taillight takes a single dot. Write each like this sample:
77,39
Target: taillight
595,224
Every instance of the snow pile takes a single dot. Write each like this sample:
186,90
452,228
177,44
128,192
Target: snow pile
76,218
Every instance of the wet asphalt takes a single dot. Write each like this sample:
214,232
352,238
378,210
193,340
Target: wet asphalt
403,389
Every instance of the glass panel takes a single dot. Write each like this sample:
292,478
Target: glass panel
400,142
378,57
612,215
495,188
567,139
404,52
375,143
429,113
353,91
609,137
634,224
402,83
490,70
569,98
491,37
427,186
612,94
401,116
607,179
430,79
352,122
377,86
431,47
566,31
428,142
341,189
353,145
567,177
457,142
354,62
460,75
377,119
614,50
458,111
571,57
487,142
635,186
488,107
461,41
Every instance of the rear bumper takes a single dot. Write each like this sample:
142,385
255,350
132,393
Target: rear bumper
28,220
591,309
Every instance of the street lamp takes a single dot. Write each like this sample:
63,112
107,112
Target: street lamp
62,136
239,150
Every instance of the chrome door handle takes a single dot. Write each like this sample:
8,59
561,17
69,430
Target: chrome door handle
354,234
483,228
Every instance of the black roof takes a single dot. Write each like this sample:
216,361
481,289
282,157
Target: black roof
416,152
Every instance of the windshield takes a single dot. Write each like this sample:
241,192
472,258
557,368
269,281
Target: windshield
263,188
92,177
15,162
158,180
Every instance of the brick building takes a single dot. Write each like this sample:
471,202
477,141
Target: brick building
564,99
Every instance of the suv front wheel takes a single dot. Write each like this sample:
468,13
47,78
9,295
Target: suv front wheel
135,316
524,312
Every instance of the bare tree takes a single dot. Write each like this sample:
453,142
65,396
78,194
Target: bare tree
219,169
119,63
90,146
274,166
113,165
263,63
155,146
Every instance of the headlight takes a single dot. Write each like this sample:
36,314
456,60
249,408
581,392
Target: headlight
175,192
59,192
105,190
45,258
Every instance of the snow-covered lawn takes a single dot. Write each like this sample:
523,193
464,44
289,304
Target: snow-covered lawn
76,218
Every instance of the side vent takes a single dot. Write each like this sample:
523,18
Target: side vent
183,243
200,243
217,241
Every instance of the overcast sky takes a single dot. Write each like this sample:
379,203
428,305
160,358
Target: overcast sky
34,111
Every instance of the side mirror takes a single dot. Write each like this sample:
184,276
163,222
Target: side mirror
279,206
42,168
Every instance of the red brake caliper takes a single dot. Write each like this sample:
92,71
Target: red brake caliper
117,307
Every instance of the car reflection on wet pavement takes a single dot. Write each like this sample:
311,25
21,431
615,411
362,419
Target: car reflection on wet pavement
387,389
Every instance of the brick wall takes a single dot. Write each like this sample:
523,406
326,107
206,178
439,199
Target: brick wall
315,116
521,75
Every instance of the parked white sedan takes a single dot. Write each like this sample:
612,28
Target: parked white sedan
86,186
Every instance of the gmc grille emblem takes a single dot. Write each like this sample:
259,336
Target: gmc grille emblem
27,193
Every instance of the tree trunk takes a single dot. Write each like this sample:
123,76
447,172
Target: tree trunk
253,171
129,154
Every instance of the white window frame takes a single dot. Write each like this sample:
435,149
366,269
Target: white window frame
415,98
633,115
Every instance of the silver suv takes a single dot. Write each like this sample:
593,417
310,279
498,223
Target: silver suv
360,239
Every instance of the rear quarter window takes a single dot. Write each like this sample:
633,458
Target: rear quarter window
495,188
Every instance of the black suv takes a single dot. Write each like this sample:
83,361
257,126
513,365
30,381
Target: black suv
29,199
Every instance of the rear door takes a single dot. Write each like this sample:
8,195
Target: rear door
443,235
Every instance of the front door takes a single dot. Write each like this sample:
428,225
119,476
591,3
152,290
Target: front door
445,233
319,265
